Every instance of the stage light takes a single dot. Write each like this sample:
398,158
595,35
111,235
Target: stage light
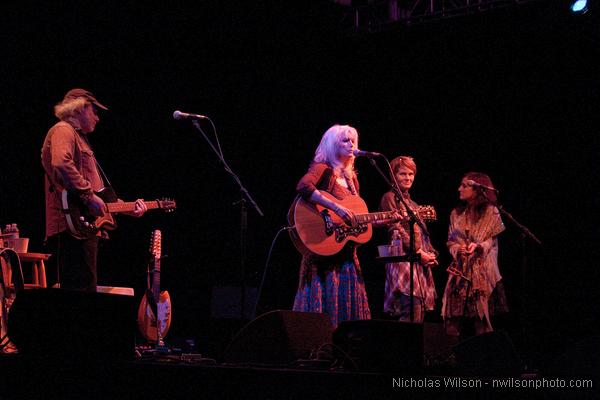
579,6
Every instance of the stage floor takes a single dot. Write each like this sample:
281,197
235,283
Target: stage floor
176,377
169,378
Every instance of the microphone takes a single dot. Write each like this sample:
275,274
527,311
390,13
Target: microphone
181,115
474,184
362,153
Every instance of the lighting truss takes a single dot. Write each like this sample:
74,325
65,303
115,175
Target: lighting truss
378,15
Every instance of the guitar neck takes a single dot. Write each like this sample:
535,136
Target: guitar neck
130,206
156,279
373,217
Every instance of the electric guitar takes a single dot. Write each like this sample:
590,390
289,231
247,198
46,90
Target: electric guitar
154,312
83,225
321,231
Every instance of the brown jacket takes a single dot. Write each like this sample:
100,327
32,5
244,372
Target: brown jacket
70,164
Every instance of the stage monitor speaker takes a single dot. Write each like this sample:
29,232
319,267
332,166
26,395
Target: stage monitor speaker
382,345
67,323
488,355
279,337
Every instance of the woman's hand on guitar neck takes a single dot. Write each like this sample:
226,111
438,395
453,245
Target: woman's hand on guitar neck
396,216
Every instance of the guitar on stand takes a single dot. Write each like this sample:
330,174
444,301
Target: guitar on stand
154,312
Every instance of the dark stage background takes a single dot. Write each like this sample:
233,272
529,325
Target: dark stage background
513,93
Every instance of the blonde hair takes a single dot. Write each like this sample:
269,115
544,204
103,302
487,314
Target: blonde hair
328,149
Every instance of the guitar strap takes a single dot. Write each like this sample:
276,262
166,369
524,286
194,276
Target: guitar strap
351,186
102,174
325,180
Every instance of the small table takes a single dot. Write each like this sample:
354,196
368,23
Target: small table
39,268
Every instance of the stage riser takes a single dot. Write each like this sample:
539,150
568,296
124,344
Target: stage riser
73,324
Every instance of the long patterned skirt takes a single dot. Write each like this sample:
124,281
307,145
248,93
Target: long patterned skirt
338,290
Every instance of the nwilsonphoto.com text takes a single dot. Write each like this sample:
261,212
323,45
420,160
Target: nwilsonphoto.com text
495,383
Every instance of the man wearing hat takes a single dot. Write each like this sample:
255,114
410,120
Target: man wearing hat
70,164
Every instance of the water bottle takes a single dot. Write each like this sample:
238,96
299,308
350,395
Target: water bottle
396,238
396,243
15,231
8,231
11,233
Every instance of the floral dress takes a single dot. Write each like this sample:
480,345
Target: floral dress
331,284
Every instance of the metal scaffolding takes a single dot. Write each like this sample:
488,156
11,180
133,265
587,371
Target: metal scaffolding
377,15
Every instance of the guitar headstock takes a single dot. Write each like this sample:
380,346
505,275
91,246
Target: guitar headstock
167,205
155,246
427,213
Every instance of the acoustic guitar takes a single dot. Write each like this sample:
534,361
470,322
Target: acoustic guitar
321,231
154,312
83,225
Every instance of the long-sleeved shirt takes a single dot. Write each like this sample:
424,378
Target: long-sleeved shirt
70,164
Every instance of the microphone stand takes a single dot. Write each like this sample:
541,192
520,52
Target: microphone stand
524,269
413,219
245,198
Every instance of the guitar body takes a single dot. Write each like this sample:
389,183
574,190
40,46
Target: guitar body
148,323
83,225
314,232
107,221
